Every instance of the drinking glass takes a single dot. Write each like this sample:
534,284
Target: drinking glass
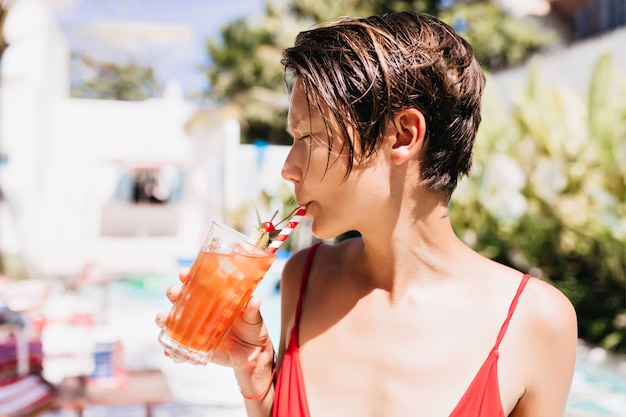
222,278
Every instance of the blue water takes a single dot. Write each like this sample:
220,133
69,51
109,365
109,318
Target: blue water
601,375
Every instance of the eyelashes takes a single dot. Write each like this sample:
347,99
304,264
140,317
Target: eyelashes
325,143
322,142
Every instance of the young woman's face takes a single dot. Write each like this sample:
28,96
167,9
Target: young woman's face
317,164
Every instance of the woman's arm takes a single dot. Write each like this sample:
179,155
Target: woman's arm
247,349
256,376
257,381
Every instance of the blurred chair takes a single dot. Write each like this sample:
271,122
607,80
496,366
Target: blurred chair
24,392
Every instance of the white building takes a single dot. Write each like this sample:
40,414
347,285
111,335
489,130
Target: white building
76,170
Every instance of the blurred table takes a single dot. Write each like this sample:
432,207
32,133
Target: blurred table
146,387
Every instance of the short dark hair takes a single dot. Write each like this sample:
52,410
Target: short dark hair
367,69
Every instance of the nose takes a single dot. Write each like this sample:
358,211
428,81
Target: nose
290,170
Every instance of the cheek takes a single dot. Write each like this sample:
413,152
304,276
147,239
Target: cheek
369,183
316,165
329,174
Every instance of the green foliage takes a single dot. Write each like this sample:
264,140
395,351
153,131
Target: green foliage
548,195
245,65
245,70
499,41
112,81
322,10
250,56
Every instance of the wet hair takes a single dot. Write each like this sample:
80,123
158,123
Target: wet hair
365,70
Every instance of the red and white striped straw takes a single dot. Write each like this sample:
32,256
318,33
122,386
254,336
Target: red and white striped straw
286,231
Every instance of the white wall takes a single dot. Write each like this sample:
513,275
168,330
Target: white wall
569,68
34,76
61,154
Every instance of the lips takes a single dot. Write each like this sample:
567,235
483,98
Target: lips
305,205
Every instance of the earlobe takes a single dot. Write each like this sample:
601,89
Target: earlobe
409,128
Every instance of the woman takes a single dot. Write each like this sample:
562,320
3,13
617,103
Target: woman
405,320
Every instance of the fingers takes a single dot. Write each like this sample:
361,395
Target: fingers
173,291
183,273
161,321
251,313
161,318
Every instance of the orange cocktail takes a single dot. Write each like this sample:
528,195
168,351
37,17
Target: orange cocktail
219,284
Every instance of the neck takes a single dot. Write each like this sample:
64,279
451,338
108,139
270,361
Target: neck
416,246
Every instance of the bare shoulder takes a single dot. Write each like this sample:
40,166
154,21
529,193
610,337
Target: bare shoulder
292,271
291,279
547,340
546,322
548,309
328,258
542,311
550,325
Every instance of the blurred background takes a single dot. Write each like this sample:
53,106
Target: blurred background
127,125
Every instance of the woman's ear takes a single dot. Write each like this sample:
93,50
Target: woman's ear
409,130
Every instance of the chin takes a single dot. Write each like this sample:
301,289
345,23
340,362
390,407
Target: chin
319,232
324,233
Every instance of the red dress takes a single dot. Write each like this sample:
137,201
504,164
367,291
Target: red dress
481,399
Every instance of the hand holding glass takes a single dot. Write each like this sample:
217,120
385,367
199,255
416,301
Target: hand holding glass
219,284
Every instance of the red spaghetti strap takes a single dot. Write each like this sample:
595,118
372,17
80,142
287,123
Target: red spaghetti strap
290,392
305,277
505,325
